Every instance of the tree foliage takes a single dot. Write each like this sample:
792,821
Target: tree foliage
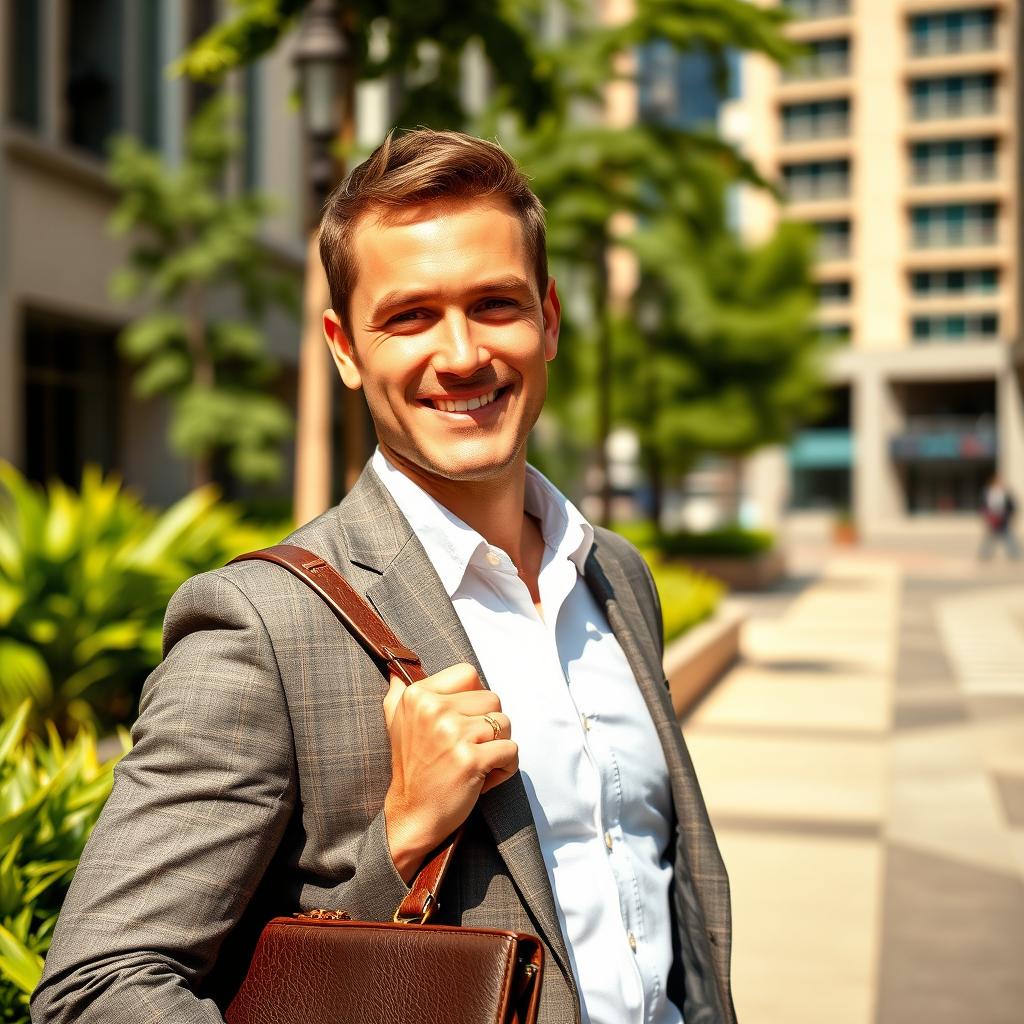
425,41
51,794
190,239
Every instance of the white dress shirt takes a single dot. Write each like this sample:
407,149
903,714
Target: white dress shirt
589,755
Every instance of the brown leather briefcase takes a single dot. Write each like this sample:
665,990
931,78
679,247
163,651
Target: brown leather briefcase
323,967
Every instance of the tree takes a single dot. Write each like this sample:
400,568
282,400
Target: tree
190,239
721,345
425,42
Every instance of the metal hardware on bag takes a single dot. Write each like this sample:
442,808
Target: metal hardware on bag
430,907
528,969
319,914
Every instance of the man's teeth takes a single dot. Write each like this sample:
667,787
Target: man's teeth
466,405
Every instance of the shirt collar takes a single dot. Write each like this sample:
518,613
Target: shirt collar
451,544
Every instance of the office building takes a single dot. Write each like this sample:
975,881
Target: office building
897,134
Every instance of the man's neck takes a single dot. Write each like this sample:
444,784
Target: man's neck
495,507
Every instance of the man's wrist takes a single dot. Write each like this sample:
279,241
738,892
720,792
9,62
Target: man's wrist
407,852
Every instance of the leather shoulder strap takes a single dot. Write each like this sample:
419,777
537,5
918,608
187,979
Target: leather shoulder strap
374,633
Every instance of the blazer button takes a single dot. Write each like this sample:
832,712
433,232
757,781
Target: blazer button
608,840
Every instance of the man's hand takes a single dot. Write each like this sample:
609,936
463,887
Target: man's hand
444,754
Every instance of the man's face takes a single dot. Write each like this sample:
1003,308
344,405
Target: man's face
450,339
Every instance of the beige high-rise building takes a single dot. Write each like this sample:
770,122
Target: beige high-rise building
898,136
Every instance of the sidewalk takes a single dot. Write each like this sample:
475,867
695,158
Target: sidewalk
864,767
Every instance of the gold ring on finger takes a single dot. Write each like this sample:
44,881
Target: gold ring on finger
493,723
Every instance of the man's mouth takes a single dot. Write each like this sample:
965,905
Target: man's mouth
465,404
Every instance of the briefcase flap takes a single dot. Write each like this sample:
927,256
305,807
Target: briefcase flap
368,972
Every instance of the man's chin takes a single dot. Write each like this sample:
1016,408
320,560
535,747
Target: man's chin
473,466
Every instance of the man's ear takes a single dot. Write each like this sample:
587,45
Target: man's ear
342,351
551,311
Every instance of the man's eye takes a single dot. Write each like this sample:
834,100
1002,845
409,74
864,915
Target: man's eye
495,304
409,316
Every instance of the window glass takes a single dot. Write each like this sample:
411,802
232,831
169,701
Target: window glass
94,87
71,397
23,63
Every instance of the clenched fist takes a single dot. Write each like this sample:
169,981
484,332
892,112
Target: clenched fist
450,742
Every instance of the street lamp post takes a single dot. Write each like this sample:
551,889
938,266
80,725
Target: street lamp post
323,60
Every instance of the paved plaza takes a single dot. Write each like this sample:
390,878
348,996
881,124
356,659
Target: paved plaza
864,767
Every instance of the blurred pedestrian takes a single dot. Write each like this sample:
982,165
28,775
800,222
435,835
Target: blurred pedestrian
998,508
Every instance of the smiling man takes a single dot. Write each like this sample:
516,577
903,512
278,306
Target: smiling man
273,770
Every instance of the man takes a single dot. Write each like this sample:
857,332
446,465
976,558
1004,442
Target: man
998,508
273,769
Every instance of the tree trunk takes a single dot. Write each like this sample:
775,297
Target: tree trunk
733,497
312,484
203,370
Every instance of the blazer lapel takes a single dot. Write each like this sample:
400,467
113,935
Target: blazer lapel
409,596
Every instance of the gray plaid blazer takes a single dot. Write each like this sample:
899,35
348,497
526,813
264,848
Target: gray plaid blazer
257,780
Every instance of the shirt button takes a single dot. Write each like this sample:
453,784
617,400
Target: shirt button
493,559
632,941
608,840
586,723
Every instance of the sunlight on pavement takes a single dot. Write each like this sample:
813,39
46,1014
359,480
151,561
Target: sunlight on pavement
864,768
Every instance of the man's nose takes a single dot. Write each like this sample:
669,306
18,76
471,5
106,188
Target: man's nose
458,351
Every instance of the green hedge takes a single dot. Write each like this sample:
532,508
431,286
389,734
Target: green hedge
687,597
51,794
729,541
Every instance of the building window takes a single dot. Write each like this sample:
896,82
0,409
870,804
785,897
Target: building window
955,96
94,89
678,89
815,9
952,32
959,224
819,179
833,239
251,137
834,293
954,327
827,58
823,119
23,63
836,333
953,160
71,398
979,281
150,74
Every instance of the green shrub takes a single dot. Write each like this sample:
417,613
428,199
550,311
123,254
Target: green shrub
50,797
687,597
729,541
84,581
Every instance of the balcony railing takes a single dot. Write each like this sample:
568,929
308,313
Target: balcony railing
812,10
806,129
945,235
934,170
975,39
942,106
830,62
833,247
800,189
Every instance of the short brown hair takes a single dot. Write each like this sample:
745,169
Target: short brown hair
419,167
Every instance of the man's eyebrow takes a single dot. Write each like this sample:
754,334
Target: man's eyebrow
400,297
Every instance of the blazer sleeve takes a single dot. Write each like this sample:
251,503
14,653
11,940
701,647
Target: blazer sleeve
198,809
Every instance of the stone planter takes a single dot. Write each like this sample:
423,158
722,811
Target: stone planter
695,661
746,572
